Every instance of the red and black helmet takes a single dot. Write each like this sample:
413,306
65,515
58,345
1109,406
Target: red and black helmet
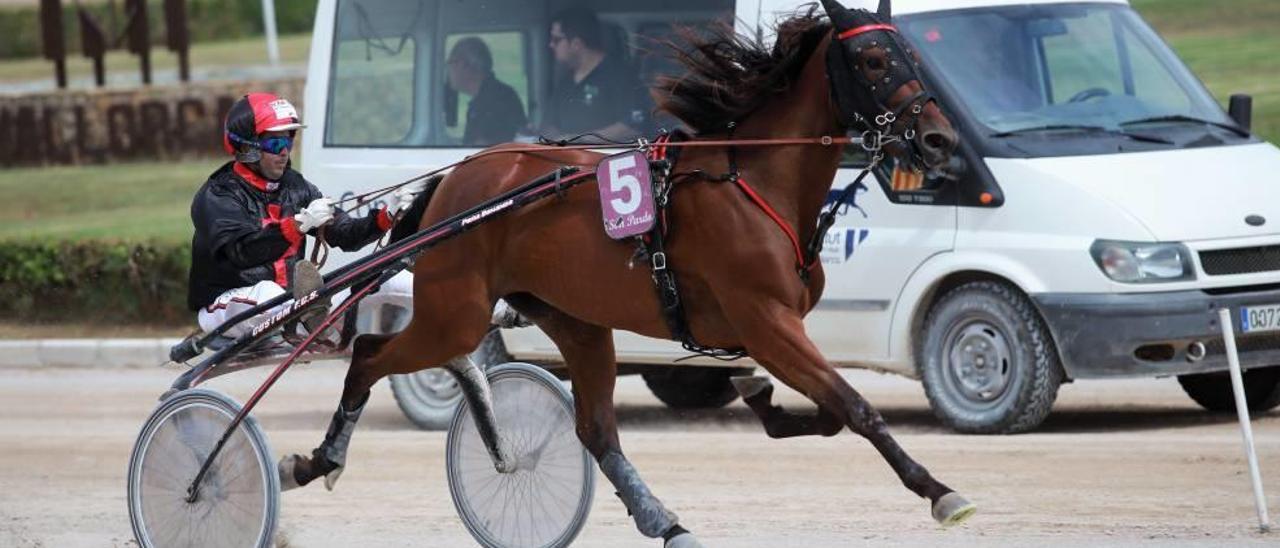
253,115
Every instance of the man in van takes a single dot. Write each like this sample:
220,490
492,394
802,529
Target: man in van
600,92
494,113
253,213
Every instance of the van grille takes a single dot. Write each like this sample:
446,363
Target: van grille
1244,260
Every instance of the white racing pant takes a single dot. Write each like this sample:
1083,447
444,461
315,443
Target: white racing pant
238,300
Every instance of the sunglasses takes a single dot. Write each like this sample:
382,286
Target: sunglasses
271,145
275,145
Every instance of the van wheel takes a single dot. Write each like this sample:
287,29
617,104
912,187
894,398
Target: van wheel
691,387
988,363
1213,390
428,397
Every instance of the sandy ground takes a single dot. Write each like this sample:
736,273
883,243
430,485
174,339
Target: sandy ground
1120,463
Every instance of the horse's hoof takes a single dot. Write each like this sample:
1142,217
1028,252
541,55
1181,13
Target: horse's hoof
683,540
750,386
952,509
285,469
332,477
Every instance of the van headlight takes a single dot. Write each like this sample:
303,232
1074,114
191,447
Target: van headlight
1143,262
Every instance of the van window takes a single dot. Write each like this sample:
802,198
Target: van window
371,96
1021,67
431,73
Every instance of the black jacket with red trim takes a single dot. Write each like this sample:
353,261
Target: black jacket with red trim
245,232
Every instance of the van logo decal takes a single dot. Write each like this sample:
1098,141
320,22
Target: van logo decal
839,246
1255,220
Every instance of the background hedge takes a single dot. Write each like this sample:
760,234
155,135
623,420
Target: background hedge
105,282
208,20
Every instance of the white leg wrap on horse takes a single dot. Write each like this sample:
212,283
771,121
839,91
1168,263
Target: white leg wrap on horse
338,438
285,469
683,540
475,387
652,518
336,441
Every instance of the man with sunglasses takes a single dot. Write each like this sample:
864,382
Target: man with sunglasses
252,215
599,92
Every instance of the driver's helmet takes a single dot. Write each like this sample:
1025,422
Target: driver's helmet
253,115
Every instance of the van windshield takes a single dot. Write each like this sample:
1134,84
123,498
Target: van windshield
432,73
1019,70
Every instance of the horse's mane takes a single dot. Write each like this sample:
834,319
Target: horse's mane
728,76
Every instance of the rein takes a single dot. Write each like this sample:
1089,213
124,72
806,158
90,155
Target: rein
642,144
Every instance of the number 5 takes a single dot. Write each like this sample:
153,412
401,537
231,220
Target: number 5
620,181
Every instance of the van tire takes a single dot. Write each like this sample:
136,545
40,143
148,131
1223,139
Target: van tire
1213,390
693,387
987,360
429,397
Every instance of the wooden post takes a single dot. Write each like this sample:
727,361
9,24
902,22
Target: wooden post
55,45
178,35
93,44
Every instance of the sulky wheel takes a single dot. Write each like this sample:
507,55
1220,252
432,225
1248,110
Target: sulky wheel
239,500
545,501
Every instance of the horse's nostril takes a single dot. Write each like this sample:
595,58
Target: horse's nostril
937,140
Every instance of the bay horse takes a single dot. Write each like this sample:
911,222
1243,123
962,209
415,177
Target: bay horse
737,268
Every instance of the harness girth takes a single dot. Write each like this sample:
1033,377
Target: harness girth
652,246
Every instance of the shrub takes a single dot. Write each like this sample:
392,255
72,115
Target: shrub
116,282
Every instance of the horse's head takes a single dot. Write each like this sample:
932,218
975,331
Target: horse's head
873,75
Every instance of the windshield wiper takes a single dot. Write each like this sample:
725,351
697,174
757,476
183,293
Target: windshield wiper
1190,119
1091,129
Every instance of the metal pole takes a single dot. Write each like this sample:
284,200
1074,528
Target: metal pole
1242,411
269,26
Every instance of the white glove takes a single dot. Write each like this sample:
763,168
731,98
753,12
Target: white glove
403,197
317,213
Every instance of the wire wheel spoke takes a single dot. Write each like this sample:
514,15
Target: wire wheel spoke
238,500
545,501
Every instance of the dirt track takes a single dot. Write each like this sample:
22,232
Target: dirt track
1120,463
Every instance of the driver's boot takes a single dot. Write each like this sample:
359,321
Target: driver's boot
306,279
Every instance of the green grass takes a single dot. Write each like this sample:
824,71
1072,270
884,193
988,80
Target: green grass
1232,45
293,49
145,200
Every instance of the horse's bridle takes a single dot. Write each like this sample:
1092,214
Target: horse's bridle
853,91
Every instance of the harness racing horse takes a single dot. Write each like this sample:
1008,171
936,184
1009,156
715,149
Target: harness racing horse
737,268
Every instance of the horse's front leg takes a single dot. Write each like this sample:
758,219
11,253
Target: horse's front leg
775,337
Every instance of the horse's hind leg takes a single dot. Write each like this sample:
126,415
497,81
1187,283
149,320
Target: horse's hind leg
757,393
588,352
426,342
776,339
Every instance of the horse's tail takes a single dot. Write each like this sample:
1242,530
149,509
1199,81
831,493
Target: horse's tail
412,217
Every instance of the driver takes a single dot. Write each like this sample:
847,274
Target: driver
252,215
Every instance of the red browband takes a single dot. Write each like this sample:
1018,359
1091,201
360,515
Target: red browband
865,28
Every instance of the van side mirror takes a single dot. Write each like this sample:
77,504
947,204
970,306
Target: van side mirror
450,106
1241,110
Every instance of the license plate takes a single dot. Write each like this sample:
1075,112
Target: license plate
1254,319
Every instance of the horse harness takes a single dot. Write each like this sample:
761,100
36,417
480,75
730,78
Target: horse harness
849,88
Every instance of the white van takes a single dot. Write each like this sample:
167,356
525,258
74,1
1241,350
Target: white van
1103,208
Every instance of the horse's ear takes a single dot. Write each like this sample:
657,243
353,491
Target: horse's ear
885,10
839,15
832,7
